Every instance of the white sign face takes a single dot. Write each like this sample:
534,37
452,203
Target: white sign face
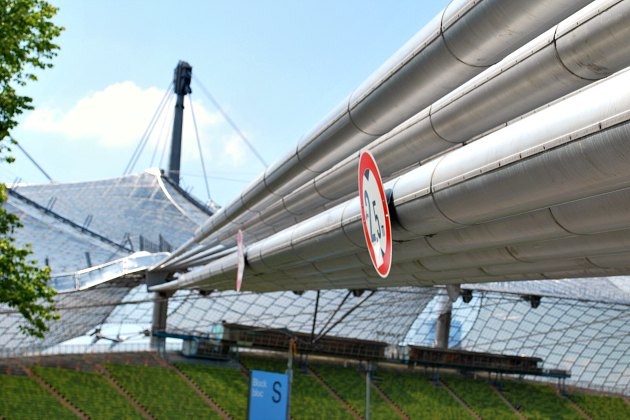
375,215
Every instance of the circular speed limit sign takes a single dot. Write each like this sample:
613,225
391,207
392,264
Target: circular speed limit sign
375,215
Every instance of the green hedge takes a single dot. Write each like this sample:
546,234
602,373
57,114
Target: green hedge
419,397
90,392
166,395
350,384
537,401
481,397
162,391
225,385
599,407
23,398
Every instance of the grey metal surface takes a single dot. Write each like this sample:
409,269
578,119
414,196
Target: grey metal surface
511,181
534,75
434,62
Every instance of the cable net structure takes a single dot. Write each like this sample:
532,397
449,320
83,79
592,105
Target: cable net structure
580,325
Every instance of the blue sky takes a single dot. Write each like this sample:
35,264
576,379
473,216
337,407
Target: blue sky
276,67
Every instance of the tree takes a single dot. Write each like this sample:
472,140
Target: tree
26,46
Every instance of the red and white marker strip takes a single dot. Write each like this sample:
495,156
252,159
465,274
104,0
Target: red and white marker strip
240,256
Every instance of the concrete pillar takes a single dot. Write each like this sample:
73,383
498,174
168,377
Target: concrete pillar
158,324
160,308
443,323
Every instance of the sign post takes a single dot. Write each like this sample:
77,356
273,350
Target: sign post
268,396
375,215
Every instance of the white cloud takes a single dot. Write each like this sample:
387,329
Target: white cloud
235,149
115,116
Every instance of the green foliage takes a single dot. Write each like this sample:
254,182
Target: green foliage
480,396
309,400
90,392
167,396
602,407
26,45
23,398
538,401
164,393
26,37
225,385
23,285
350,385
418,397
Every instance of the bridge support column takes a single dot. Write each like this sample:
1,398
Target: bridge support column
158,324
443,323
160,309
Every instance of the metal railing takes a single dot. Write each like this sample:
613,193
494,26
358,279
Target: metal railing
78,349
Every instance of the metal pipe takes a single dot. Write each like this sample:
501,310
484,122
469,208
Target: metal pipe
548,159
550,66
460,42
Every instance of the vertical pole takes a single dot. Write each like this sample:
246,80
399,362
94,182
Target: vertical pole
315,317
368,386
292,348
176,142
160,309
443,323
160,313
181,82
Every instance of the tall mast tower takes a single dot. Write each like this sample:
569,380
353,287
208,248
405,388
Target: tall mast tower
181,86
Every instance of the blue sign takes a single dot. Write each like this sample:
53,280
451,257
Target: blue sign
268,396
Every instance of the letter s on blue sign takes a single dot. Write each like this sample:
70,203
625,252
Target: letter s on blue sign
277,397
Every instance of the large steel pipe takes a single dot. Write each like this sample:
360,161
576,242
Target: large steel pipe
544,159
220,275
598,214
531,77
555,249
464,39
556,63
571,150
344,266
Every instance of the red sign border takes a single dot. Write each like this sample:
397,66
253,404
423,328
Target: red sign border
367,161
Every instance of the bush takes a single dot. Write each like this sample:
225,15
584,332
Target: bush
418,397
481,397
23,398
350,385
602,407
90,392
538,401
228,387
164,393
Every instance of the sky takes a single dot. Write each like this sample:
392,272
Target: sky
276,67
